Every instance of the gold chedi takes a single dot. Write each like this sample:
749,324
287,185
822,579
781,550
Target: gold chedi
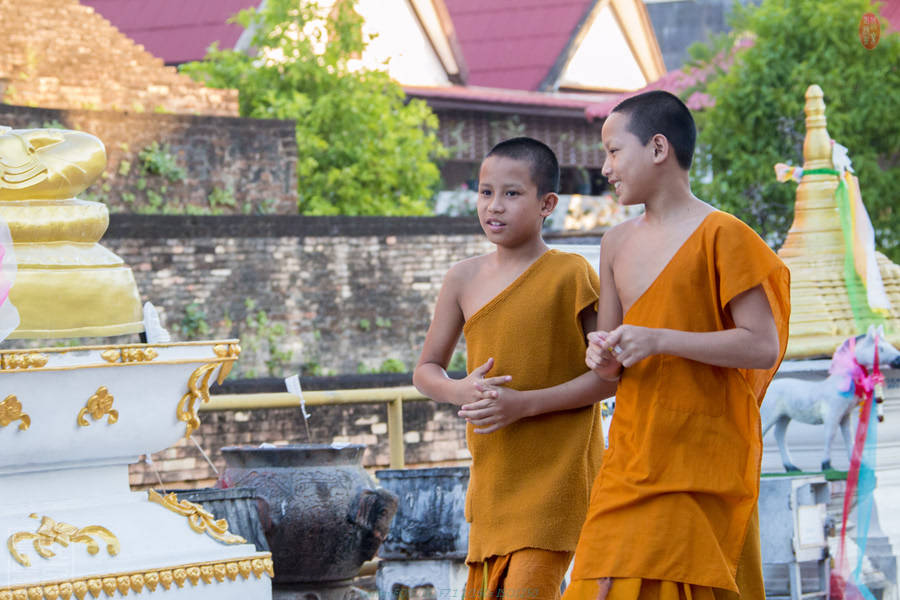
821,313
67,284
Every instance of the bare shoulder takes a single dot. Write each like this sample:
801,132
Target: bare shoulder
465,271
614,238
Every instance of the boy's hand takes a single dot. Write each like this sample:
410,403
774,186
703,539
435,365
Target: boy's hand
477,387
500,407
600,357
630,344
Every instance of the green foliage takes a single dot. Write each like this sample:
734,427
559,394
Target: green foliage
365,324
389,365
458,362
263,335
193,324
219,198
158,159
758,118
362,150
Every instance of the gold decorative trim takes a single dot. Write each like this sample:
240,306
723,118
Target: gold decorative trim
199,519
198,389
136,581
97,406
231,351
129,355
11,410
198,385
50,532
22,360
118,356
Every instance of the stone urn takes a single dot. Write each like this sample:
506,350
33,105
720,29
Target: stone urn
430,522
322,514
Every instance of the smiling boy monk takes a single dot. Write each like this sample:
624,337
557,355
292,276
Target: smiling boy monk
694,314
525,311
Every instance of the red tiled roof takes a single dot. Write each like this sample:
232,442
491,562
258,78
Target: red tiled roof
514,43
675,82
506,96
174,30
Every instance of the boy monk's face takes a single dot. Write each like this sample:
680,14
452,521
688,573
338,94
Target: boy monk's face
509,208
629,163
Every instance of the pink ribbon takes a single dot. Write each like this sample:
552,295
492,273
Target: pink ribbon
841,589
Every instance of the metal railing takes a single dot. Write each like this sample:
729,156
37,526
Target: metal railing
393,397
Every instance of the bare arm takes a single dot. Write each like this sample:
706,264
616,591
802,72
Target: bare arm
430,375
598,357
751,344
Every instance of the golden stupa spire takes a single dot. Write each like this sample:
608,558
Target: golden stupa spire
67,284
821,312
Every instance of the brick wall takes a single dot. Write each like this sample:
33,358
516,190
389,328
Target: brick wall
58,53
434,436
254,158
349,291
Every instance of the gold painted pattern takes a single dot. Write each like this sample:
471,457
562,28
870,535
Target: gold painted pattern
51,532
97,406
129,355
199,519
23,360
11,410
111,356
137,581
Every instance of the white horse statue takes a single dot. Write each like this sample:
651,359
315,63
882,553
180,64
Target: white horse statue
827,402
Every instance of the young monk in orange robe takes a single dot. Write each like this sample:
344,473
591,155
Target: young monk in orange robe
525,311
694,312
694,318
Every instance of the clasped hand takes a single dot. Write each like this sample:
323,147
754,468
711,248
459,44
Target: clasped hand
490,405
624,346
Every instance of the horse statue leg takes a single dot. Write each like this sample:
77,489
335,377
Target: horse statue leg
781,425
845,433
831,421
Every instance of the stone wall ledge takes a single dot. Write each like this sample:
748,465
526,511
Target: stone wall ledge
131,226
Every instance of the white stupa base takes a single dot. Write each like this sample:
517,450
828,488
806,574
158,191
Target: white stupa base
74,419
157,550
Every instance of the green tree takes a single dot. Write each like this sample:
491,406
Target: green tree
362,149
758,117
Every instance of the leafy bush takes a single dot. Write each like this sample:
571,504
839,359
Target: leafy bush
758,117
362,149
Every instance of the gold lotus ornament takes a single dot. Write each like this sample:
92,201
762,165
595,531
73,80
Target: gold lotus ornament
11,410
67,284
97,406
51,532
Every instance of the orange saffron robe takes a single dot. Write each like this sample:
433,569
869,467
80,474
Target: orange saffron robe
530,482
680,480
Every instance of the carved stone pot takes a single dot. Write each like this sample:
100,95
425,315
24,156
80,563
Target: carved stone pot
322,514
430,522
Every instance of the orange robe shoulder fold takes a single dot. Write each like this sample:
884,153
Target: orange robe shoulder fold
530,481
680,481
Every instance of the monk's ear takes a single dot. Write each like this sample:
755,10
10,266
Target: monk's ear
548,203
660,148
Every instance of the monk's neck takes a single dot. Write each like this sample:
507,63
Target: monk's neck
523,254
673,207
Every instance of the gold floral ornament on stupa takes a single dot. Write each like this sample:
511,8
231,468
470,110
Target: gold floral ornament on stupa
829,301
67,284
